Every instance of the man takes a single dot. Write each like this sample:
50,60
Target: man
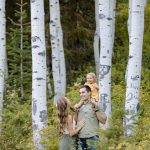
92,114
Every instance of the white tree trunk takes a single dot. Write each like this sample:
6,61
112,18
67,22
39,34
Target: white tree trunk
55,50
2,52
134,64
145,1
97,38
129,17
106,20
61,51
39,104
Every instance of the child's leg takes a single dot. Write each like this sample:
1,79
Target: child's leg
78,105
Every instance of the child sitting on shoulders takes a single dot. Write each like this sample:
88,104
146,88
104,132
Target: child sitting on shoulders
92,83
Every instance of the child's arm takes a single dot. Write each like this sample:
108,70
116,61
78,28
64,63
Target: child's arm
77,85
96,86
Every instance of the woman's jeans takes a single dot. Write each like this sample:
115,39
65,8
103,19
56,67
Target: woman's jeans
88,143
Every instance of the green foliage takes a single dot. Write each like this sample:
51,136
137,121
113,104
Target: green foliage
18,54
111,137
146,44
120,54
16,125
78,24
118,75
79,76
51,133
73,95
16,128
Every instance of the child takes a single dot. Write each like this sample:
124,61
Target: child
91,82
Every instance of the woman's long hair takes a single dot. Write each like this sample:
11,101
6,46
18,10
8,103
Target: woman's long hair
62,106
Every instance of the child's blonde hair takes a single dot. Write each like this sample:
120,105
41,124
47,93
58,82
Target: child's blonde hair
92,74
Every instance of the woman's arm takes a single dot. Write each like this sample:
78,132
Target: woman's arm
72,131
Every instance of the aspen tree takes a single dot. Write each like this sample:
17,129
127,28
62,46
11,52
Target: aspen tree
96,43
2,53
61,51
55,49
106,22
136,30
39,105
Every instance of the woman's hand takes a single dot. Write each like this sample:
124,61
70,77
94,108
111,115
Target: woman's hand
81,123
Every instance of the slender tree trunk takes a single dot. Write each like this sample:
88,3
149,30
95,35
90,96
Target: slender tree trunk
39,105
2,53
49,88
21,48
113,2
97,38
61,51
55,50
129,30
106,20
134,64
6,66
48,83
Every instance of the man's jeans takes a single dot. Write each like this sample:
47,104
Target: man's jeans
87,143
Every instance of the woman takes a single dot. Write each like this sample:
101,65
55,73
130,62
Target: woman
66,124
